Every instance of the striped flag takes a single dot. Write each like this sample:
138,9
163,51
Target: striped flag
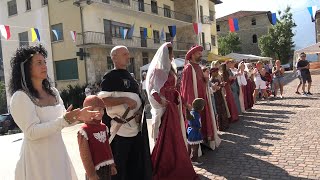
130,32
312,10
55,34
162,35
73,35
197,27
5,31
35,34
125,31
149,32
233,24
173,30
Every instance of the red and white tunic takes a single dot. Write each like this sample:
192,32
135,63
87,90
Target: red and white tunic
100,150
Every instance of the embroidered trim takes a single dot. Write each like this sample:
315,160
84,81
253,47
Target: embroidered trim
84,134
104,163
195,142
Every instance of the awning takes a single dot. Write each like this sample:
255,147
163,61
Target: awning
215,57
249,57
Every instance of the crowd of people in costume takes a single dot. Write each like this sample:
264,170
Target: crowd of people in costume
208,99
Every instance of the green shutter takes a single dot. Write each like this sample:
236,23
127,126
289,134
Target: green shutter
67,69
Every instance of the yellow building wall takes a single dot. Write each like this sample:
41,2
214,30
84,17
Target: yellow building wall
69,15
37,17
209,29
214,32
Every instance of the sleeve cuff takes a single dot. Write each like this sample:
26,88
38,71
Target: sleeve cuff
104,94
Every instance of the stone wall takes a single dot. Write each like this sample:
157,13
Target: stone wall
186,33
247,30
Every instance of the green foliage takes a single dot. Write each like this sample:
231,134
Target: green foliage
3,98
278,43
73,95
229,43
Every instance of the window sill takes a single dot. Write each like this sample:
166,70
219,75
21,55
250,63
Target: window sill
13,15
66,80
54,42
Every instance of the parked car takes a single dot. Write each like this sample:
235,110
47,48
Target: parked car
287,67
6,123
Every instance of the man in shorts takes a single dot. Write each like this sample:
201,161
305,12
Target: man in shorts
304,66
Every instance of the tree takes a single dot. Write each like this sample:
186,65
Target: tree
278,43
3,98
229,43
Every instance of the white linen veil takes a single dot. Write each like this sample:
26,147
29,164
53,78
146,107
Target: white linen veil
158,70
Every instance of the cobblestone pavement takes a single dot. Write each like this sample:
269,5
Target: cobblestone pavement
274,141
280,140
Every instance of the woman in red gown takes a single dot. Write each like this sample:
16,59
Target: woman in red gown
170,157
250,84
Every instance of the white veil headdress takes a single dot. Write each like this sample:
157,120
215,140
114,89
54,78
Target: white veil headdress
247,68
158,70
242,79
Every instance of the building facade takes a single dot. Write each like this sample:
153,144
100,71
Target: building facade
99,26
21,16
103,19
252,25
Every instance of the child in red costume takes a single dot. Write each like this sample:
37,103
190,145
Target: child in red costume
94,147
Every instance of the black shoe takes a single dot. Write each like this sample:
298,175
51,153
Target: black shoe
309,93
298,92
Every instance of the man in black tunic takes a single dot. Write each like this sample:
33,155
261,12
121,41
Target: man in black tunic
304,66
128,132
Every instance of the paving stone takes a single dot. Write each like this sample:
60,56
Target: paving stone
280,140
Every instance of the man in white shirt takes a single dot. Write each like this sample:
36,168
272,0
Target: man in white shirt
130,147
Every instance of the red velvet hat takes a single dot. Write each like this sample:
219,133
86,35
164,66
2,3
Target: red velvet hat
192,51
93,101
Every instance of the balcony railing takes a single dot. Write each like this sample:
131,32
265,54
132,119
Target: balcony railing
99,38
142,7
207,19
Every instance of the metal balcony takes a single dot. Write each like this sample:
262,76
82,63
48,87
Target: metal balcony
140,6
207,19
103,39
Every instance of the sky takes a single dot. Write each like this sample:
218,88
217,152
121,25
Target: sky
305,30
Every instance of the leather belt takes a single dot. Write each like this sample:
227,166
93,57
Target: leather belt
123,121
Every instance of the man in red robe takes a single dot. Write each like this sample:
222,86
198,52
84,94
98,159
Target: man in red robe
194,85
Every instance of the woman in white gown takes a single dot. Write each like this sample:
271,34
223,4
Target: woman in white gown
38,110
